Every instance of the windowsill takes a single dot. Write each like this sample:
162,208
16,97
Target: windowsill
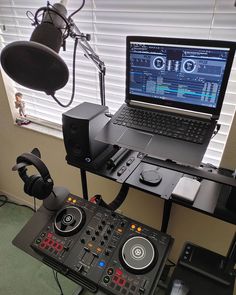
43,129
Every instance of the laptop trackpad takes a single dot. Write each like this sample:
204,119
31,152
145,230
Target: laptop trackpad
136,139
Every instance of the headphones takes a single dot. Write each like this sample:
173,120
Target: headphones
38,186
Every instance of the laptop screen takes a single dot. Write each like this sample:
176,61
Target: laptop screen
188,74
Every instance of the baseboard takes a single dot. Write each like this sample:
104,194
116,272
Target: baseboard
17,200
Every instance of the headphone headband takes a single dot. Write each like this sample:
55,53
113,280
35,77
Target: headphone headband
31,159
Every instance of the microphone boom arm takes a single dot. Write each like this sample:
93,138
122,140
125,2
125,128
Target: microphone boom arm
90,54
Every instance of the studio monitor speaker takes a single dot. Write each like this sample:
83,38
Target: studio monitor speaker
80,126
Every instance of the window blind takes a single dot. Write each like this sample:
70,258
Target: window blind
109,22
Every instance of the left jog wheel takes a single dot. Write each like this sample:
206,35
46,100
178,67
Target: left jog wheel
69,221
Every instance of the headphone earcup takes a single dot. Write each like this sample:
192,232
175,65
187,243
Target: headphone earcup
40,189
36,187
29,184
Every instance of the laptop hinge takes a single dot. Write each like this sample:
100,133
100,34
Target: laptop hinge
171,109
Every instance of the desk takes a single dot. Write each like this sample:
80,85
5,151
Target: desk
214,183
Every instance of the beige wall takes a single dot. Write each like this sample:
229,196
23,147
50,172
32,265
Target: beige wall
184,224
229,156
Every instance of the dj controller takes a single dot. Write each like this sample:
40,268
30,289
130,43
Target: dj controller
100,249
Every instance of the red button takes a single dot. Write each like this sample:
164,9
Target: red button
50,235
59,247
119,272
55,244
121,282
50,242
42,245
115,279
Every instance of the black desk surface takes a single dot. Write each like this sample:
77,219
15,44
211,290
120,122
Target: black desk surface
209,200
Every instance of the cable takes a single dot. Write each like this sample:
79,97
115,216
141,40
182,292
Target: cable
172,264
216,131
3,201
30,15
6,201
55,274
73,82
73,13
117,202
35,205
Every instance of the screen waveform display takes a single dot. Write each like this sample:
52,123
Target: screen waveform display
191,75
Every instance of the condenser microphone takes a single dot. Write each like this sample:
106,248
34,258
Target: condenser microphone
36,64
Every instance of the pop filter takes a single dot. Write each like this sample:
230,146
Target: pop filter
35,66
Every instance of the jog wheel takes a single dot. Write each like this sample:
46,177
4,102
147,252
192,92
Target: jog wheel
69,221
138,255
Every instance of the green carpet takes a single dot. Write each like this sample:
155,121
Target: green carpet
20,274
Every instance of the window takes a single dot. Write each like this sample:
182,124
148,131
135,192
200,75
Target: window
109,22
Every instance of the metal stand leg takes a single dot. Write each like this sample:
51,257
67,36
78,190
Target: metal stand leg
84,184
166,215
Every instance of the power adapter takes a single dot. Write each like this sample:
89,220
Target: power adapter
186,189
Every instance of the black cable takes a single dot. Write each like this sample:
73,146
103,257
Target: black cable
73,13
30,15
6,201
73,82
35,209
3,201
216,131
54,194
117,202
55,274
172,264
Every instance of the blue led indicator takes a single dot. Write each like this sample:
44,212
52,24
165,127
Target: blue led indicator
101,263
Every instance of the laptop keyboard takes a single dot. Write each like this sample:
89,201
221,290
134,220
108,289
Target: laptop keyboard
163,124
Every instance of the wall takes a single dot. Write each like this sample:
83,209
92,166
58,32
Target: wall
229,156
184,224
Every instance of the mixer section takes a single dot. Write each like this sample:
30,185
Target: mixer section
97,244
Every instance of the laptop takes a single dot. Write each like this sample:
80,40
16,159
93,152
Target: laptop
170,82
